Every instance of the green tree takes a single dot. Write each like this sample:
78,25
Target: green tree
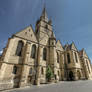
49,73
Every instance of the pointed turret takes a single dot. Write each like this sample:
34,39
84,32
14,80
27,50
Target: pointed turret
53,35
73,47
50,22
66,46
52,39
44,15
83,53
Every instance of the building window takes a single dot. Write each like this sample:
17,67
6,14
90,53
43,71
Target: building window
30,71
33,52
14,70
68,57
19,48
76,57
52,43
57,57
42,71
44,54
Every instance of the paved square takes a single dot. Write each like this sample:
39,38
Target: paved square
75,86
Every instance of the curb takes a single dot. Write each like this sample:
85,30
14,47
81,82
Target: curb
33,86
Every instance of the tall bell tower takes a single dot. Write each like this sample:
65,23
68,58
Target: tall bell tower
43,28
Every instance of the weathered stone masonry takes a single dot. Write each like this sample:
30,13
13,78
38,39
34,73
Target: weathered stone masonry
28,53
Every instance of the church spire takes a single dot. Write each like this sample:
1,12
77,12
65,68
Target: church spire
44,15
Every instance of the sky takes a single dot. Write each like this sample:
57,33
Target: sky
72,20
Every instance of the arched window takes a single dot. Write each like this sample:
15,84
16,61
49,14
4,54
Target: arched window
33,52
14,70
44,54
30,71
68,57
19,48
76,57
57,57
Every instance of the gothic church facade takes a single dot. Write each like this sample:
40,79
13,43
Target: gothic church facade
28,54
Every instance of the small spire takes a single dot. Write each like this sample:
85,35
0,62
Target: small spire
44,15
50,22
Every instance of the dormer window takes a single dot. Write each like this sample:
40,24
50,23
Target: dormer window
25,32
29,30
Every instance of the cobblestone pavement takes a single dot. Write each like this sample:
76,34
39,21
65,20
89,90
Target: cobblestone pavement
75,86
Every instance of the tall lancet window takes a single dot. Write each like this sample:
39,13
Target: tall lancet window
44,54
19,48
33,51
57,57
68,58
76,57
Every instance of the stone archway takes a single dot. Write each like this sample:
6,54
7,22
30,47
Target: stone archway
71,76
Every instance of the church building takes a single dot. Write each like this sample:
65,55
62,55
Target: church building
28,54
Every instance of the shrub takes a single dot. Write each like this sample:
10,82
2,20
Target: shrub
49,73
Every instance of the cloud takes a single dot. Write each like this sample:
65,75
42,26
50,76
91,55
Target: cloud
1,52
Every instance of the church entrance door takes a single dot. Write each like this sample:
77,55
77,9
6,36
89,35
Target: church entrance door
71,76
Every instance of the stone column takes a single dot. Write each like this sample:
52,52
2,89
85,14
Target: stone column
75,75
25,68
55,62
38,66
86,68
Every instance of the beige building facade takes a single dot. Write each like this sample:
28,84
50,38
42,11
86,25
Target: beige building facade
28,54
